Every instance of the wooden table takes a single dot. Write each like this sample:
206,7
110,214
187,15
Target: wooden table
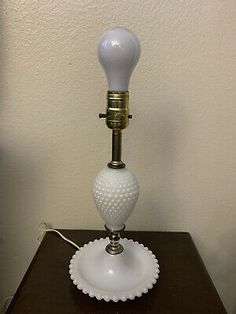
184,285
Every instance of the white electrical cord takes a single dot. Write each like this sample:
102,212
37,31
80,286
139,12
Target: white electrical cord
44,228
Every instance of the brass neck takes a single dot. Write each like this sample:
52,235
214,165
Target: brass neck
117,118
116,162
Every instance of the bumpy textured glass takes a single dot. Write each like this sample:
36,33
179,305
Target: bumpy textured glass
115,192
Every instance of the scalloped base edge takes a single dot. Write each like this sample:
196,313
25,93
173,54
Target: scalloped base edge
78,275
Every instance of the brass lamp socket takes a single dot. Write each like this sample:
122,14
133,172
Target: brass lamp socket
117,118
117,114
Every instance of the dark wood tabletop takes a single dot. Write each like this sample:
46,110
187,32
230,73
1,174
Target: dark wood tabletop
184,285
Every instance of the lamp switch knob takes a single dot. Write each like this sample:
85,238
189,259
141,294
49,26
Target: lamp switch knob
102,115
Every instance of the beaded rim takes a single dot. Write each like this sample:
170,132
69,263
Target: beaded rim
87,288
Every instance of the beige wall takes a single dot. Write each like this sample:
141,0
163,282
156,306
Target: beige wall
180,144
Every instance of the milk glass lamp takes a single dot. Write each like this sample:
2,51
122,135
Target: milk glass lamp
115,269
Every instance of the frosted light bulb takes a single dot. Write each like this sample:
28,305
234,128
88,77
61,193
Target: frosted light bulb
118,53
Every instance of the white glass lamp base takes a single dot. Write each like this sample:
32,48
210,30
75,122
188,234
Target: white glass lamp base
114,277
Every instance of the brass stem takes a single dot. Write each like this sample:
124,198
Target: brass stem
116,145
117,118
116,150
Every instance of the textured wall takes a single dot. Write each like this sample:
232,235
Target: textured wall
180,144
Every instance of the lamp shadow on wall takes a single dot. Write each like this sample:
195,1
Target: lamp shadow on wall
168,128
20,188
19,193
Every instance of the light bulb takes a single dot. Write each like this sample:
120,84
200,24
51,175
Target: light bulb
118,53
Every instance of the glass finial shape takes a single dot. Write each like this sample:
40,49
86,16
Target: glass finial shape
118,53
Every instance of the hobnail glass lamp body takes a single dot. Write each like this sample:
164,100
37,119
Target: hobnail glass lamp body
115,192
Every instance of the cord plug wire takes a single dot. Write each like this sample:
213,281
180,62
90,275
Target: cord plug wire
43,227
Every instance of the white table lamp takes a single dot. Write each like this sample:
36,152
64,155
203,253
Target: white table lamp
115,269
